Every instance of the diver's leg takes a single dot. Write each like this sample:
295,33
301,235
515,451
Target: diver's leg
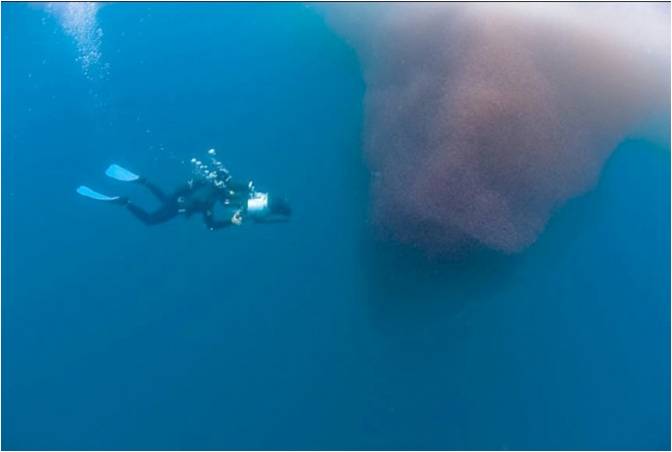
156,191
122,174
163,214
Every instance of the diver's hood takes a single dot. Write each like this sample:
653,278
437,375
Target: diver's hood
267,209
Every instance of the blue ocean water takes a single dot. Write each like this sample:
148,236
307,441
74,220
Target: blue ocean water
310,334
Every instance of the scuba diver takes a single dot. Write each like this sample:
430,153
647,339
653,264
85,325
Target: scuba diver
199,195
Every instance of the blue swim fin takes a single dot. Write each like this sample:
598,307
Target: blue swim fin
86,191
117,172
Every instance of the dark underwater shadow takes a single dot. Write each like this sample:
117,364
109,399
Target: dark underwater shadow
404,285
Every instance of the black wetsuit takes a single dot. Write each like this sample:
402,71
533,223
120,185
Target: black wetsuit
197,197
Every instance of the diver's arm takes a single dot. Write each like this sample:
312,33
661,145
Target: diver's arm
240,192
212,224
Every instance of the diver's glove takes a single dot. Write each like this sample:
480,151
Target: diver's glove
237,218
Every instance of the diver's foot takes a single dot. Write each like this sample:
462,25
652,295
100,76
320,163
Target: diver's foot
122,201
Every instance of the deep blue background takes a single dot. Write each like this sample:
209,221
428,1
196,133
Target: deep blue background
302,335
